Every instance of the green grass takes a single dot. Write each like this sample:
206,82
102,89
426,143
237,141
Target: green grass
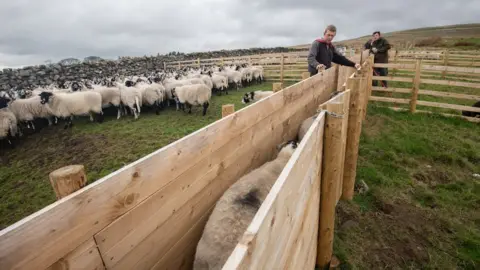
421,211
101,148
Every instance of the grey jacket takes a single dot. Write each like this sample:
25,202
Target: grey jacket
321,53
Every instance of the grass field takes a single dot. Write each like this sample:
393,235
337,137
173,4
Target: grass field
101,148
421,211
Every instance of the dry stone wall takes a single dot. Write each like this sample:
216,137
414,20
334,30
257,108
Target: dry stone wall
42,75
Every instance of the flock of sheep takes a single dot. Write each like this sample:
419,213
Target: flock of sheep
19,109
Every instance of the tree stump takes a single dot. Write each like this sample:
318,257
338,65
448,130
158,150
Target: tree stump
67,180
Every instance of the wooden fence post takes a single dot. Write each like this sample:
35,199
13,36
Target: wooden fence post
198,61
445,63
164,65
354,128
395,61
281,67
332,147
67,180
228,109
305,75
277,87
416,85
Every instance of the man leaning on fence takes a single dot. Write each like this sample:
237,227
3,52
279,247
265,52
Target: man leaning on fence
379,46
323,53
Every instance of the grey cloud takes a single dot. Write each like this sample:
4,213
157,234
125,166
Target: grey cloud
34,31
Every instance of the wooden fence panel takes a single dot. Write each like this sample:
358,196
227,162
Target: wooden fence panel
285,225
115,209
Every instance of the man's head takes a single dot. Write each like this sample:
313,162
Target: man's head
376,35
330,33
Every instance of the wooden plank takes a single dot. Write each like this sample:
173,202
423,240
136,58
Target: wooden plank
392,100
416,86
392,89
391,78
331,173
85,256
450,83
452,69
277,225
354,127
471,119
448,106
400,66
345,100
448,94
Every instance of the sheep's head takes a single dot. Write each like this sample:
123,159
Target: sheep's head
129,83
246,98
287,148
75,86
4,102
45,97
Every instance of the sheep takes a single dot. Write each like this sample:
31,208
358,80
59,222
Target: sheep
110,97
77,103
306,124
26,110
130,97
8,121
152,95
255,96
472,114
195,94
235,210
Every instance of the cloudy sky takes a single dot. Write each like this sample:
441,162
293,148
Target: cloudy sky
34,31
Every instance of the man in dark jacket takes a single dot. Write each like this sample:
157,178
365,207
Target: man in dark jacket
323,53
379,46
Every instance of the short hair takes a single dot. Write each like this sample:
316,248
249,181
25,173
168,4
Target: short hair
376,32
330,28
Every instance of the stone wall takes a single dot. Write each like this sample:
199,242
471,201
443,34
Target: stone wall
42,75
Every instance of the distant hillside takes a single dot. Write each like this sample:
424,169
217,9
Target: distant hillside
465,36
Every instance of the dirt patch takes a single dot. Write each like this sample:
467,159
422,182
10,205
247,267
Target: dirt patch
393,235
432,176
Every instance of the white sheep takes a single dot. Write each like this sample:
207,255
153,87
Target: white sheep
255,96
77,103
26,110
192,95
8,122
131,97
235,210
110,97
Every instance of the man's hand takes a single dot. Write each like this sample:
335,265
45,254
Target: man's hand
374,50
357,66
320,66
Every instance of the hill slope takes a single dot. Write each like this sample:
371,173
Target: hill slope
441,36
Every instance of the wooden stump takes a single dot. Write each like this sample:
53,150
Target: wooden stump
305,75
277,87
228,109
67,180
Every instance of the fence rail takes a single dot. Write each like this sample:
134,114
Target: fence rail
419,74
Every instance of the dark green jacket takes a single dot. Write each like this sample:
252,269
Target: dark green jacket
382,46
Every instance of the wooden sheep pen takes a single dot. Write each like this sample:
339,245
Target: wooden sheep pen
150,214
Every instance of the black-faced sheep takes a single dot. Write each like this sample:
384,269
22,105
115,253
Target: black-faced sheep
472,114
77,103
255,96
236,209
